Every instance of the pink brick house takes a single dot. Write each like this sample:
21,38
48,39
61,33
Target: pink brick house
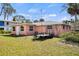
55,28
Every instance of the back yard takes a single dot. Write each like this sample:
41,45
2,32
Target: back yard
25,46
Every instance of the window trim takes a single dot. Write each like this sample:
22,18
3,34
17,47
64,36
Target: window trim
49,26
31,28
7,23
13,28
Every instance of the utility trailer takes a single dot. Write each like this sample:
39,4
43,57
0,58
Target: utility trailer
44,35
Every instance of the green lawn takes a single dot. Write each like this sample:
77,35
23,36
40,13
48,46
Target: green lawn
14,46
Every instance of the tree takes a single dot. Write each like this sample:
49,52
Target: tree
41,20
7,10
28,21
73,9
19,18
65,21
35,20
68,21
72,21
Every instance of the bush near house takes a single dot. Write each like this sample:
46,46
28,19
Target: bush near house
71,36
4,32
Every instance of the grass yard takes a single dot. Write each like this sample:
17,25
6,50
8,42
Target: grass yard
25,46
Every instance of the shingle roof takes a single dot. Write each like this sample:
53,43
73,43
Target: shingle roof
42,23
48,23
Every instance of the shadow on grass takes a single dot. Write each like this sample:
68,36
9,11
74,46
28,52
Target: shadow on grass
34,39
41,38
13,35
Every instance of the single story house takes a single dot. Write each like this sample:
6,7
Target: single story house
52,27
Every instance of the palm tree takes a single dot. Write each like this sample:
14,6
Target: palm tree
6,10
73,9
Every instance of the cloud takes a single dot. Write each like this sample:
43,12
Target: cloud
23,14
27,16
45,16
52,15
52,5
33,10
49,16
65,18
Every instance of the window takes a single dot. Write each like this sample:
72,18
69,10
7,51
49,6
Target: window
22,28
7,23
13,28
31,28
67,27
63,26
49,27
70,27
1,23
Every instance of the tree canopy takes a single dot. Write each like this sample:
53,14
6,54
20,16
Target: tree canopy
6,10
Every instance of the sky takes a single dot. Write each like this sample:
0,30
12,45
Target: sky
47,11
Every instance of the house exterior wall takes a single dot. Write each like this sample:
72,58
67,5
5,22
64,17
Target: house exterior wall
26,30
57,29
40,29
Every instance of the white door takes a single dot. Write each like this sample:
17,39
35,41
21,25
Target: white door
18,30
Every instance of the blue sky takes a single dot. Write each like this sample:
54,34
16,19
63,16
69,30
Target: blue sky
50,11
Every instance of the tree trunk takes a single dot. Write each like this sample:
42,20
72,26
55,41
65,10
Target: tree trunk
76,17
4,17
7,17
75,21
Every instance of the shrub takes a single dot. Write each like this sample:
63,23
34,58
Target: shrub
1,32
70,36
4,32
7,32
